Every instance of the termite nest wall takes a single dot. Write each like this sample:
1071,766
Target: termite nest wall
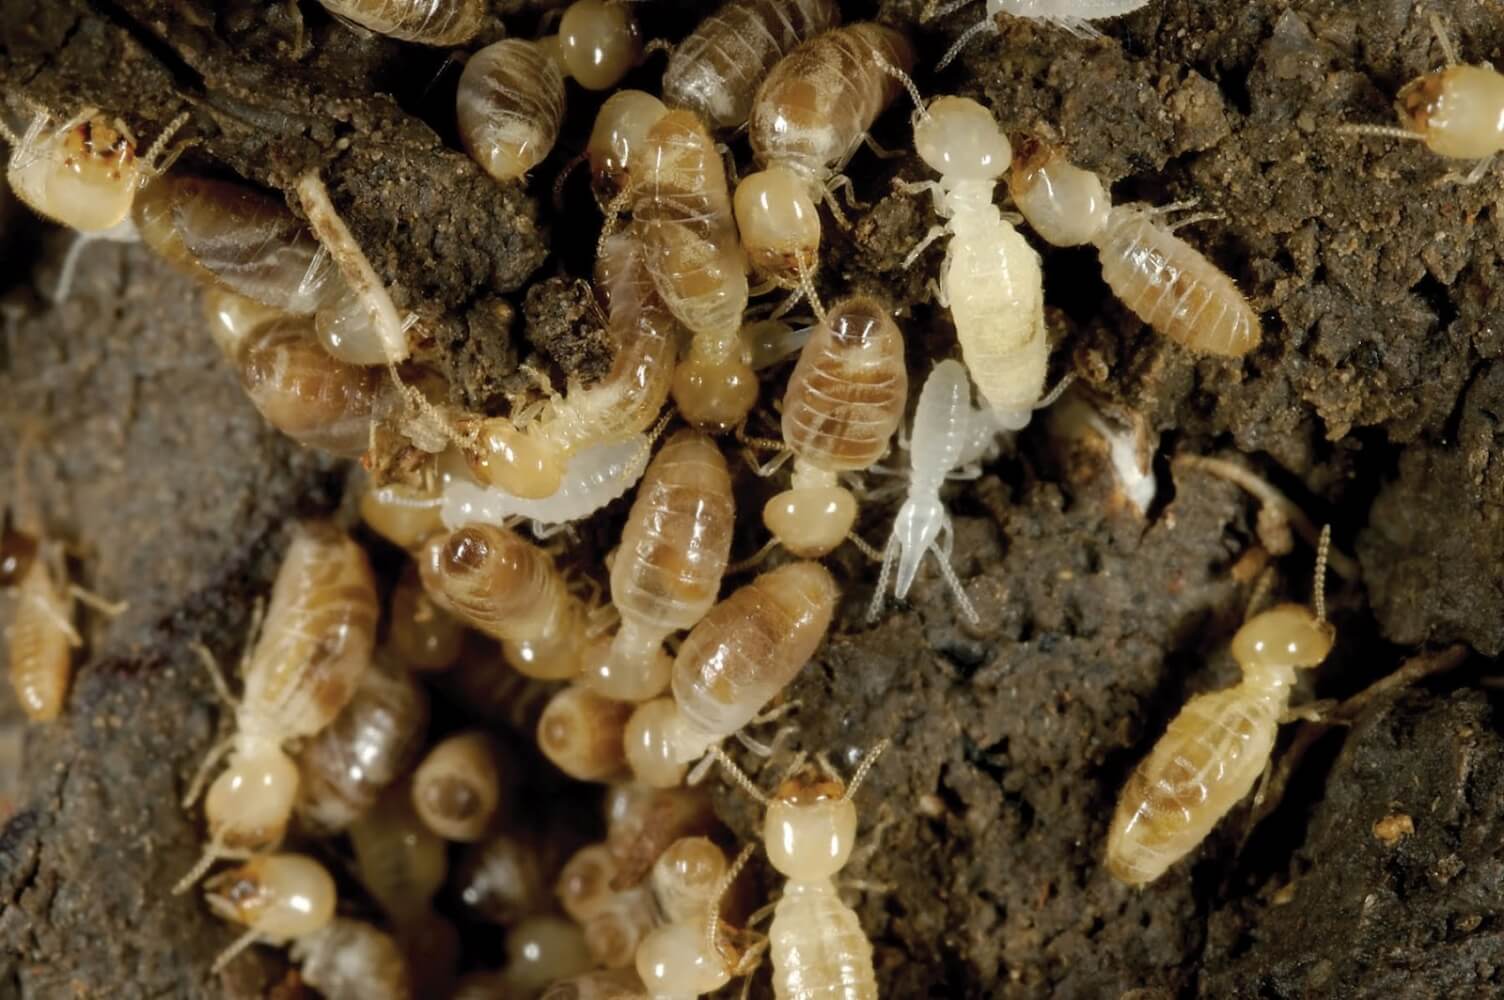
1374,404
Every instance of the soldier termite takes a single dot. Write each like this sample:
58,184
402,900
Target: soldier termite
716,69
315,643
1167,282
809,116
667,570
279,897
844,400
83,172
1217,746
457,787
426,22
1457,111
1074,16
352,960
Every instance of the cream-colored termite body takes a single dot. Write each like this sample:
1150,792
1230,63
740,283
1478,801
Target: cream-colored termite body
315,643
844,400
40,638
426,22
667,570
991,278
1217,746
1167,282
509,106
279,897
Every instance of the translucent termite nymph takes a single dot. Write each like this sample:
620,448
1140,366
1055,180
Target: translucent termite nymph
668,567
844,400
278,897
315,643
716,69
1217,746
426,22
399,859
1167,282
1074,16
509,106
543,949
423,636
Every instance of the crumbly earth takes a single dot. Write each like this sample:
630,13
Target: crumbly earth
1374,402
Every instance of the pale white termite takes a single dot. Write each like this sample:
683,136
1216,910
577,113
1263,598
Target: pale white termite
1074,16
426,22
1457,111
816,942
717,68
1167,282
352,960
1217,746
314,645
943,433
279,898
84,174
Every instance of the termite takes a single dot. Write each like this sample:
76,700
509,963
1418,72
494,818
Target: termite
426,22
457,787
599,41
991,279
314,644
1074,16
844,400
943,432
280,898
1457,111
505,586
667,570
614,920
352,960
744,651
505,878
399,859
422,635
716,69
1217,746
686,876
542,949
405,516
602,984
370,744
580,732
641,822
816,942
808,118
509,104
83,173
1167,282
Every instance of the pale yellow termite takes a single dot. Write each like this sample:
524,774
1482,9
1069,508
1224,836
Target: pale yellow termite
1218,745
426,22
315,643
580,731
509,105
40,638
279,898
457,787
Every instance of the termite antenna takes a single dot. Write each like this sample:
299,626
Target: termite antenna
862,769
1318,583
908,84
807,285
205,862
569,168
962,42
713,911
613,211
243,942
738,776
1384,131
161,141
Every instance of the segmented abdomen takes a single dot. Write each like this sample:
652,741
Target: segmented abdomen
1174,289
716,69
509,105
427,22
818,948
37,645
993,281
1207,760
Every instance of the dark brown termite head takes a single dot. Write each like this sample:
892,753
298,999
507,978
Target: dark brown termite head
1419,99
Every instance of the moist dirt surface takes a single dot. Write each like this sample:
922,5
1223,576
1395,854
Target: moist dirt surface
1374,403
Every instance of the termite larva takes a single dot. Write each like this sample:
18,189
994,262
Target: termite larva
507,587
580,732
426,22
1457,111
1167,283
504,878
716,69
423,635
457,787
1074,16
509,105
593,477
399,859
808,117
279,897
844,400
1219,743
668,567
942,430
991,279
345,768
314,645
352,960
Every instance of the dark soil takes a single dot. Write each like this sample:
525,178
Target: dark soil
1375,402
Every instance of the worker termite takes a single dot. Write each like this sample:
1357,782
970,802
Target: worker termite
744,651
508,588
279,897
84,174
505,878
1457,111
370,744
509,105
641,822
426,22
668,567
844,400
816,942
809,116
423,636
1074,16
1167,283
352,960
686,877
457,787
1217,746
315,643
580,732
716,69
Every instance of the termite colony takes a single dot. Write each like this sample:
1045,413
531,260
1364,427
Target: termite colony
633,672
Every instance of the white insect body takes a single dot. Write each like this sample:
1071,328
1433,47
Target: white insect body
592,478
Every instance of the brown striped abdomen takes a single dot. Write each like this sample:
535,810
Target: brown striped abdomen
509,105
305,392
497,582
427,22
